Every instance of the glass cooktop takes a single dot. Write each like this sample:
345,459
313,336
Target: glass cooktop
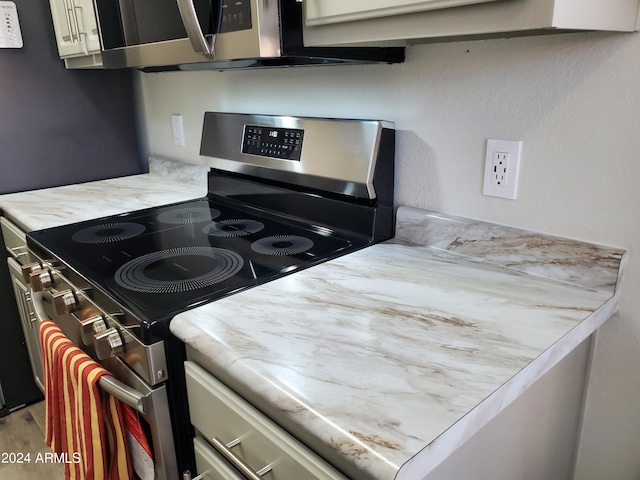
160,261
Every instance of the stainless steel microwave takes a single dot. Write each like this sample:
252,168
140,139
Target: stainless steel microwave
216,34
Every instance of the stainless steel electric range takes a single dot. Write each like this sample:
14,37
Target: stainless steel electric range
284,194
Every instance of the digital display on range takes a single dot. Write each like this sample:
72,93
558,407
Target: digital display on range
274,142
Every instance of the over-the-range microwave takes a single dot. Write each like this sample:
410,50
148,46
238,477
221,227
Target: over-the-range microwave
216,34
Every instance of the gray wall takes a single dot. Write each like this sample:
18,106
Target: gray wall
61,126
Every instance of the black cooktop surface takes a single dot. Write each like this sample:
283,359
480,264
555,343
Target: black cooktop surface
160,261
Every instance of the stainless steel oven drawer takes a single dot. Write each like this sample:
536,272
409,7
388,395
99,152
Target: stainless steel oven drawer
240,433
15,240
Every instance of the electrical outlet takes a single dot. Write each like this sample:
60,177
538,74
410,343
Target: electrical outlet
502,168
177,130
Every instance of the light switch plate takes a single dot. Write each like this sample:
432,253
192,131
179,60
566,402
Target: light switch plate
177,130
10,33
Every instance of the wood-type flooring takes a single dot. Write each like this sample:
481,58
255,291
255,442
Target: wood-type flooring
22,433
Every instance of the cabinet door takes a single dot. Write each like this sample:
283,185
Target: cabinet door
29,322
88,25
75,26
66,28
379,22
322,12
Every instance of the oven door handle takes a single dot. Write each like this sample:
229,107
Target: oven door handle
125,394
36,303
109,384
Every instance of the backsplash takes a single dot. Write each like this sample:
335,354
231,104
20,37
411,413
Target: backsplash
578,263
180,171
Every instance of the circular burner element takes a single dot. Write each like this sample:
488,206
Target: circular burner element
233,228
178,269
187,215
108,232
282,245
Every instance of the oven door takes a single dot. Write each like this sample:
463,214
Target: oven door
156,33
151,402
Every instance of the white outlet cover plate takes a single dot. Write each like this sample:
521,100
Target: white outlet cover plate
510,188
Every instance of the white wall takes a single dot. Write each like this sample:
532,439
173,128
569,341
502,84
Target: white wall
574,100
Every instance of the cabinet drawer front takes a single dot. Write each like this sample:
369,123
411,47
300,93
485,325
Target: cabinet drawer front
218,412
209,462
15,240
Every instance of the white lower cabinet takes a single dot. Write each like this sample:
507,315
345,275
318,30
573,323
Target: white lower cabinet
16,244
29,322
76,31
237,442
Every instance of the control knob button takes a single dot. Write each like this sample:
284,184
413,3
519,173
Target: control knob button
89,326
108,343
28,269
115,342
64,302
41,280
99,326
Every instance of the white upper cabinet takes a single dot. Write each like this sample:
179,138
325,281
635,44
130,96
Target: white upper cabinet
76,31
321,12
388,22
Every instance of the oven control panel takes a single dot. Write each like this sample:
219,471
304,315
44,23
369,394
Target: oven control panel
274,142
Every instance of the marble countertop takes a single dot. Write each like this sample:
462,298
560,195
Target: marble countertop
389,358
167,182
392,356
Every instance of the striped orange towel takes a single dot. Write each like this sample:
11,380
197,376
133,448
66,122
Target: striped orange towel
85,426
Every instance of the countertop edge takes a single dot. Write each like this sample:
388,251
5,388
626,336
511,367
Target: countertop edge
442,447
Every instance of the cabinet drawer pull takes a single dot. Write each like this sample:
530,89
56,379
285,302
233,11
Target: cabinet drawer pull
187,476
16,253
74,17
31,314
225,450
68,12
